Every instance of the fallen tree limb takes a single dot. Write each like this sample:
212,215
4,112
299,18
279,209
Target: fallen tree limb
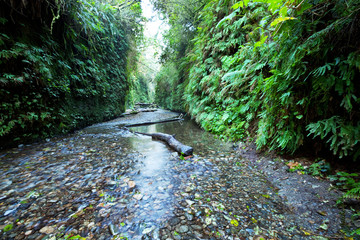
171,141
148,110
146,105
133,112
154,122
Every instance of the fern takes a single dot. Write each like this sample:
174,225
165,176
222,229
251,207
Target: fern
353,193
59,75
342,138
227,18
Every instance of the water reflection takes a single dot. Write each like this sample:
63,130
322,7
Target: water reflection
156,179
151,202
156,153
190,134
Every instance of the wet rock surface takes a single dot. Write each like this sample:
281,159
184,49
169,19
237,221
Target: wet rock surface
104,182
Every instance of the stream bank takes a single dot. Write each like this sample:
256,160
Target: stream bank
104,182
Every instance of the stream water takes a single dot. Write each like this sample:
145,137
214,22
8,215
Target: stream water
99,182
104,182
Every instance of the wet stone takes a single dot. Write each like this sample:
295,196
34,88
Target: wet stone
114,230
112,183
174,221
189,216
183,229
196,227
147,230
47,230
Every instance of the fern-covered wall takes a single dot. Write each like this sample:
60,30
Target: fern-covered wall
169,89
285,73
63,65
182,19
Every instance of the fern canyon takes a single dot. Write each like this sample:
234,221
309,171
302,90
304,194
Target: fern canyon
180,119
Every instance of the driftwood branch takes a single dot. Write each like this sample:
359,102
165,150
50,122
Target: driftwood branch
171,141
154,122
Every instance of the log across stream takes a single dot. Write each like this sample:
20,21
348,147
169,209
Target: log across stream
169,139
154,122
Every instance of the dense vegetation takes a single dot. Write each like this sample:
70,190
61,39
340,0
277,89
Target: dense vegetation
139,90
182,16
284,73
64,64
169,90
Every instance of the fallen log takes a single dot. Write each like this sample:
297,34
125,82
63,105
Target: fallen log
153,122
148,110
145,104
129,112
171,141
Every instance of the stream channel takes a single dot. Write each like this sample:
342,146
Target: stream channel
104,182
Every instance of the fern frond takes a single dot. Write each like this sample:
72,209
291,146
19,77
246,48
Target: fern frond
353,193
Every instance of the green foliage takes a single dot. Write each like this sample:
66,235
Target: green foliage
319,168
346,181
65,68
341,137
221,75
168,91
139,91
351,184
182,17
277,71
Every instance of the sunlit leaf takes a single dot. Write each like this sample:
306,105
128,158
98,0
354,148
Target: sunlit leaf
280,20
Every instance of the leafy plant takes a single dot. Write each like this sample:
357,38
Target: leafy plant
319,168
295,166
351,184
348,182
344,180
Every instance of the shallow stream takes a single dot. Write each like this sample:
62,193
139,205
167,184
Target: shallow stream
104,182
123,182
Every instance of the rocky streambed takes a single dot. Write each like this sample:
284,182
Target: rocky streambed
104,182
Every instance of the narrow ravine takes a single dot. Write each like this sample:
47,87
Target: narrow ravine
104,182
